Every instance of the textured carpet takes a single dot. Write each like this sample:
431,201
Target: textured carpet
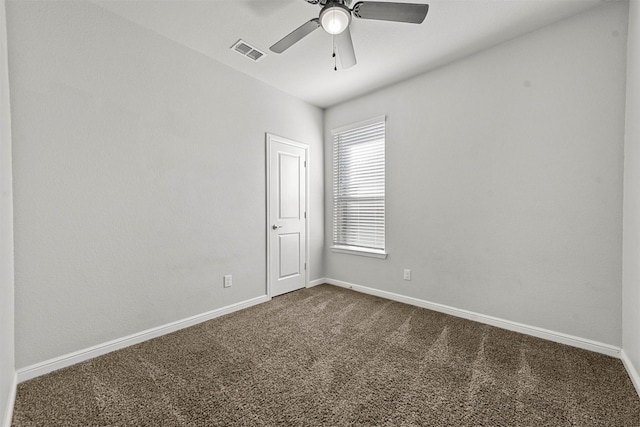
330,356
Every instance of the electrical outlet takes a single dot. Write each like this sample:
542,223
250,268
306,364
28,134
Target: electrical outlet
407,274
227,281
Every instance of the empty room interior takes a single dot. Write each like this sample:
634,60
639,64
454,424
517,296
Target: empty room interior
222,212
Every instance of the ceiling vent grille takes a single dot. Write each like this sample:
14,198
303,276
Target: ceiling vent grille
245,49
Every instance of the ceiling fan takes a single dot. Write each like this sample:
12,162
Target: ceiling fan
335,17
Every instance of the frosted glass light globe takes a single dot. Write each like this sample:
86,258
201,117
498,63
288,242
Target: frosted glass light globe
335,19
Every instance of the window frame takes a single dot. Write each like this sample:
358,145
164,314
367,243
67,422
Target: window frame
344,248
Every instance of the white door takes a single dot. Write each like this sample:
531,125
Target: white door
286,222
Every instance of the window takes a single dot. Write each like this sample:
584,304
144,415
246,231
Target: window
358,188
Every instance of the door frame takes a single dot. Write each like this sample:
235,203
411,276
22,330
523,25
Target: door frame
269,138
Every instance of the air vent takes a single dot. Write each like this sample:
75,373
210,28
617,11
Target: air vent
245,49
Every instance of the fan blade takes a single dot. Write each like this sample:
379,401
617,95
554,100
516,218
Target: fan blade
345,49
295,36
385,11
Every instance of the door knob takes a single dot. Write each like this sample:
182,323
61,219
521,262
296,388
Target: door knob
275,227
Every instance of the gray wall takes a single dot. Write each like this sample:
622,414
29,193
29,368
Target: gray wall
631,248
139,171
504,180
7,366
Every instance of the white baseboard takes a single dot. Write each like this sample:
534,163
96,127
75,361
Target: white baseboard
631,370
316,282
8,410
54,364
558,337
60,362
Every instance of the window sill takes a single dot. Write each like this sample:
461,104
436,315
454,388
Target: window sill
352,250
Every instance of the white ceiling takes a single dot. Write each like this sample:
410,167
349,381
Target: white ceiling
387,52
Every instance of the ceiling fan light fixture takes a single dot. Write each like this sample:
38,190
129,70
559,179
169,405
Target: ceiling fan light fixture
335,18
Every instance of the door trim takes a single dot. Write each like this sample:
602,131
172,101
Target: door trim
269,138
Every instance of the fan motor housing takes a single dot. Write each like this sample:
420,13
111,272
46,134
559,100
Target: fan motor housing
324,2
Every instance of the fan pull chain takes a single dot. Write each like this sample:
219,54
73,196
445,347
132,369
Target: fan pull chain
335,61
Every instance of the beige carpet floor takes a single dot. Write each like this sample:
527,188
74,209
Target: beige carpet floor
333,357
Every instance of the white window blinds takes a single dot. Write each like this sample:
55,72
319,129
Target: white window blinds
358,185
